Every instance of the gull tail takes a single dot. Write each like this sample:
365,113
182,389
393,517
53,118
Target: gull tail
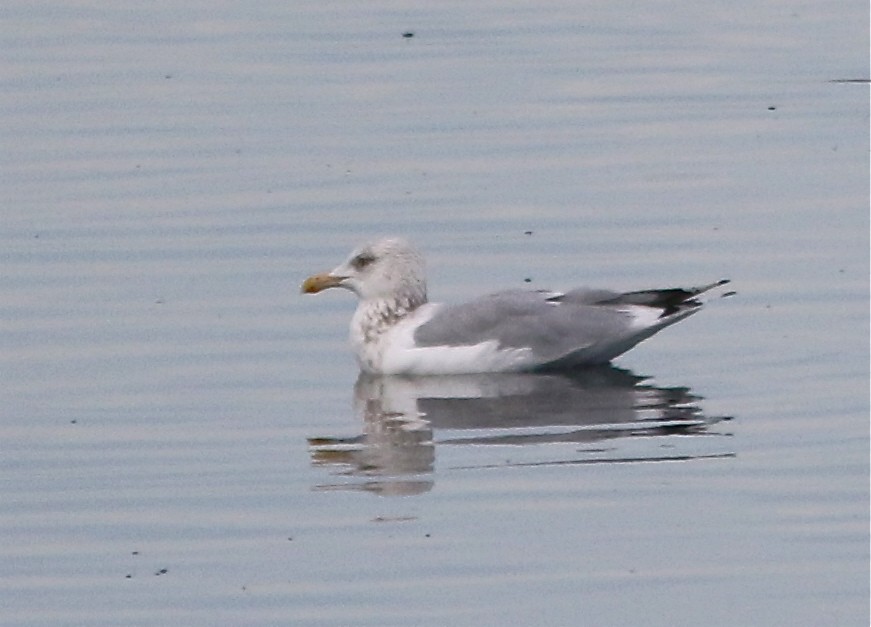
670,300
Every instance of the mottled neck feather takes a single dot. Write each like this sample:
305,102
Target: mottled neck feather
375,316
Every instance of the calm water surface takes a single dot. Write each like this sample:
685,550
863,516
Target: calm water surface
185,440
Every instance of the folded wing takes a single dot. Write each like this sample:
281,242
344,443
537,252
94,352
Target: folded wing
561,330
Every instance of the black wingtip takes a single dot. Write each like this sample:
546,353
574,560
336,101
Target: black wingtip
704,288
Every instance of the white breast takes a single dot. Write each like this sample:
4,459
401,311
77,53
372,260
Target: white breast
385,345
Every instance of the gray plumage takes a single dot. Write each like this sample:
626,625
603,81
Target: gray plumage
582,326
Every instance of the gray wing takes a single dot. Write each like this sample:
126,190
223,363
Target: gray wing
518,319
583,326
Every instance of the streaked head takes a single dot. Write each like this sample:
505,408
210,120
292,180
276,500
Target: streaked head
386,268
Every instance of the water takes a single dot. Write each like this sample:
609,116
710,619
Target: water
183,437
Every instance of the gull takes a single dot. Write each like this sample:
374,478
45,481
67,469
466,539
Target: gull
396,331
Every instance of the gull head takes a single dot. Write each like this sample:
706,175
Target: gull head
388,268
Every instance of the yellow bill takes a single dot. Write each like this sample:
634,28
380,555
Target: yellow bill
320,282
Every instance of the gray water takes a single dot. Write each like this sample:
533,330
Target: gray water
183,437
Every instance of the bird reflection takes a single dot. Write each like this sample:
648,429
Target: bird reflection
594,408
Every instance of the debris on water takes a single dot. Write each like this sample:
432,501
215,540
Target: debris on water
408,34
386,519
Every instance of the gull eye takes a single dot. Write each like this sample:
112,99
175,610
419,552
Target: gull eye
362,260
